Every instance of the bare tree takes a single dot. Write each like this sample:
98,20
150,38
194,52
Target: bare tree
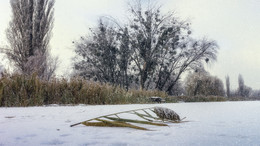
178,89
243,90
29,34
98,55
152,51
202,83
124,55
163,49
255,94
241,85
227,86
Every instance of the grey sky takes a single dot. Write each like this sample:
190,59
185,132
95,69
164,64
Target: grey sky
234,24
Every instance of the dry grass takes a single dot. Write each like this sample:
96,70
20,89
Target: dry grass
21,90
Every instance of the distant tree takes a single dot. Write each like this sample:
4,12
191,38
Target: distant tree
178,89
227,86
247,91
202,83
28,34
255,94
243,90
241,85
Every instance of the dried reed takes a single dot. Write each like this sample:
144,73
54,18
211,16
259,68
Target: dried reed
114,120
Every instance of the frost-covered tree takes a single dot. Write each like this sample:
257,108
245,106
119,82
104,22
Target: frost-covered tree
202,83
28,34
255,94
124,58
98,55
178,89
227,86
153,50
241,85
162,47
243,90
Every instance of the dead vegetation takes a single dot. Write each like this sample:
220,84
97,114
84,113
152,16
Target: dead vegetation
21,90
156,116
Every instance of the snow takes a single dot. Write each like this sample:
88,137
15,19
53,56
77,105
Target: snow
218,123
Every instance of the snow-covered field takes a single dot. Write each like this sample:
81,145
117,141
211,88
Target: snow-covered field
223,123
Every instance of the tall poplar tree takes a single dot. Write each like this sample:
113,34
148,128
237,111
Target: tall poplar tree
29,34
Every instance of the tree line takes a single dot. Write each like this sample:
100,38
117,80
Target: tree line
201,82
242,90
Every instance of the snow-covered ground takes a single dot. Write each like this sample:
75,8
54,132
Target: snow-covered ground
222,123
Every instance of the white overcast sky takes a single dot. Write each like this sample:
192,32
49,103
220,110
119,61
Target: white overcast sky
234,24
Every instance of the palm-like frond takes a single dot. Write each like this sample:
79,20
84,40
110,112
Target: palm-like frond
156,116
